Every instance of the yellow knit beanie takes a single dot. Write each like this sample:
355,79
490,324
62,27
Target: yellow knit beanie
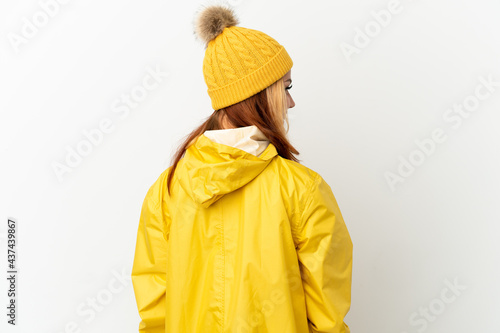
238,62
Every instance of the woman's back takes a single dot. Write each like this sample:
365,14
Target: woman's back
244,244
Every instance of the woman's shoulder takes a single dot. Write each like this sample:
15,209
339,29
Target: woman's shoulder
298,172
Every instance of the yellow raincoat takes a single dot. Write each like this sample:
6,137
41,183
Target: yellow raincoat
244,244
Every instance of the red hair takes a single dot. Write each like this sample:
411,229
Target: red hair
266,110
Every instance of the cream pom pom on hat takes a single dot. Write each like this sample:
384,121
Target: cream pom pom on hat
238,62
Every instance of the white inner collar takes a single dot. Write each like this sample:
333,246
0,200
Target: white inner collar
249,138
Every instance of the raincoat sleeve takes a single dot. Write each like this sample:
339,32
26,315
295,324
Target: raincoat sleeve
324,251
149,266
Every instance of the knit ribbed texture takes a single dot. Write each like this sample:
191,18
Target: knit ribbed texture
241,62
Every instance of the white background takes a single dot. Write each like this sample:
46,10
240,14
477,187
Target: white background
356,118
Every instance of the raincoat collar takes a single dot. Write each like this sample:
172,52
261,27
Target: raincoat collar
211,169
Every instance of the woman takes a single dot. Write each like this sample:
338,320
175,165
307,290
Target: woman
236,235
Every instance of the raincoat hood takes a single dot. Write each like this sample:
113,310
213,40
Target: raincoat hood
211,169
